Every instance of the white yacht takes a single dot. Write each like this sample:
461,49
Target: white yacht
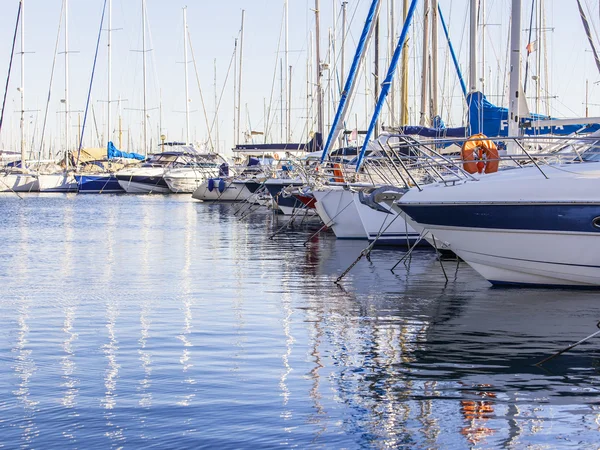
536,225
188,179
149,177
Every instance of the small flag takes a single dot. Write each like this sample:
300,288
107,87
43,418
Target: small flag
354,135
531,47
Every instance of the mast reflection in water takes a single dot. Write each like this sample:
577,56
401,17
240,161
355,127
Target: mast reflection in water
129,321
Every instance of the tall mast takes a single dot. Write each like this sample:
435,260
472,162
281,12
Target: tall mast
392,36
287,78
425,66
434,58
239,111
344,20
404,87
22,89
108,108
482,13
473,47
67,104
216,115
185,63
376,71
145,130
515,73
318,70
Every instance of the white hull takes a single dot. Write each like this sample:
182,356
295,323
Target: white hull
337,210
387,228
524,257
518,227
233,192
19,183
132,187
187,180
58,182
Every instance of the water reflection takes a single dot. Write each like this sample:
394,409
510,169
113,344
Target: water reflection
186,359
25,367
398,360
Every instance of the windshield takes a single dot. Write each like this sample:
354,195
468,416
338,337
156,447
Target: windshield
592,153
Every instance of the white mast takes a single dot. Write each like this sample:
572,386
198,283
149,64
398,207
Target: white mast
108,116
185,63
22,89
318,68
344,20
434,59
145,137
515,74
288,78
67,104
392,45
239,111
404,86
473,47
425,66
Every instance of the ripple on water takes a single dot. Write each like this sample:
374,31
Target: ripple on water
135,321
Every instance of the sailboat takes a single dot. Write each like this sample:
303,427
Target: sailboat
63,181
16,177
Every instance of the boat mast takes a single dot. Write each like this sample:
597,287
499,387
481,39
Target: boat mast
145,128
239,93
425,66
109,45
318,70
185,64
344,19
434,58
473,47
515,74
404,87
67,104
22,89
376,71
288,78
392,37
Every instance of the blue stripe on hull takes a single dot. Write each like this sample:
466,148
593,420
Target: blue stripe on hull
92,184
289,202
538,217
509,284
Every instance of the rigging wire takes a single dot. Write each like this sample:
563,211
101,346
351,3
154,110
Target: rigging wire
12,54
87,104
51,81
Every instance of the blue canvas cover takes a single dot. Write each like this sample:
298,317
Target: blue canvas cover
112,152
492,120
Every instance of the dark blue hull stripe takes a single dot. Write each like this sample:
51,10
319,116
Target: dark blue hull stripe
98,184
538,217
289,202
510,284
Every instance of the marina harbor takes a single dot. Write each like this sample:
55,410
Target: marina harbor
313,224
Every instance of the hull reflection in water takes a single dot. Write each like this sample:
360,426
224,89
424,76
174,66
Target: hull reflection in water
167,335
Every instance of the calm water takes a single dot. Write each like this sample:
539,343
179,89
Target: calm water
150,321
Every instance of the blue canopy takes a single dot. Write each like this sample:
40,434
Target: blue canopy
492,120
112,152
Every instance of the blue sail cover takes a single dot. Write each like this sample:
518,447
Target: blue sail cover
112,152
492,120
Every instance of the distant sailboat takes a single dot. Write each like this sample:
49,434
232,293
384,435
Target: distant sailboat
17,178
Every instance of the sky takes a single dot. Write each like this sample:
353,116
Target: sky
214,27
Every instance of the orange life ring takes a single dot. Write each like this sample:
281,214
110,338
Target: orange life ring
473,152
338,174
276,156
